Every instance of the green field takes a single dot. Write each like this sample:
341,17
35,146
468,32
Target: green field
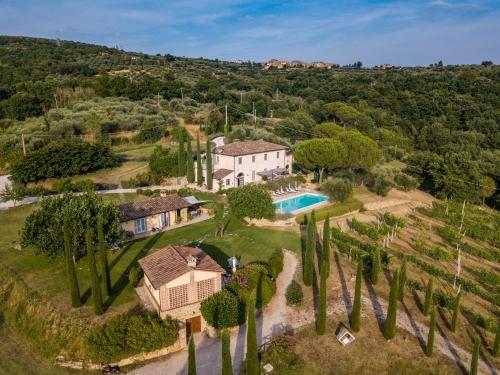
48,275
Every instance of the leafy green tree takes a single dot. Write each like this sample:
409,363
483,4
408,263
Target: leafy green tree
428,297
181,155
252,356
321,318
327,130
325,251
103,257
430,337
189,161
222,310
43,228
226,363
191,356
320,154
342,112
456,312
356,307
76,301
402,280
310,249
163,163
364,152
376,266
338,189
199,170
252,201
392,309
475,355
209,165
488,187
94,276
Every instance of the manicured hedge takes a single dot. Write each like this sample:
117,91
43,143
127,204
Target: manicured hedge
62,160
122,336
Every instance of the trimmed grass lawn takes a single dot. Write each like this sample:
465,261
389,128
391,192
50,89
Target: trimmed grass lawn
48,275
334,209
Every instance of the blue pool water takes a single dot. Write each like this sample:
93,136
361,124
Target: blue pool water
299,202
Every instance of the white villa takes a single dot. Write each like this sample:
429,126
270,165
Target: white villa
242,162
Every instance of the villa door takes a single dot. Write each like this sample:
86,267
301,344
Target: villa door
193,325
163,220
240,179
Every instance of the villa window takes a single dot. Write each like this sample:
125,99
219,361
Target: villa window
265,156
240,160
253,158
205,288
228,182
178,296
217,160
278,155
140,225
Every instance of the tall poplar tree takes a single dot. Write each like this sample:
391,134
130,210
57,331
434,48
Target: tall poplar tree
475,356
309,253
325,254
76,300
456,312
430,337
199,170
321,318
191,356
428,297
94,277
376,266
226,365
209,165
189,161
103,258
392,310
356,307
181,154
252,355
402,280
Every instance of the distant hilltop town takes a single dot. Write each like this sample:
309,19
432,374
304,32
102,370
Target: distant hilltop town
282,64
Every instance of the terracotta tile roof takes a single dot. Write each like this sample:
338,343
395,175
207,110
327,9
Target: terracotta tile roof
152,206
170,262
248,147
219,174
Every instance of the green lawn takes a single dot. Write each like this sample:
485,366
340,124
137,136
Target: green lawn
334,209
48,276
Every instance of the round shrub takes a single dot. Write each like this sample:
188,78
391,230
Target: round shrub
223,310
253,276
135,276
294,294
275,263
339,189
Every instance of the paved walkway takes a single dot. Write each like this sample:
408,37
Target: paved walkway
269,322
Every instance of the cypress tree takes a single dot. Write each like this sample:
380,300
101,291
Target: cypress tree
496,344
189,162
309,255
252,356
76,301
402,280
199,170
376,266
430,338
181,154
191,356
356,307
94,277
103,258
428,297
209,165
321,318
325,254
227,366
475,356
390,320
456,311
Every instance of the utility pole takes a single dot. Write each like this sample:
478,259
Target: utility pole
254,113
271,113
241,97
226,125
158,100
24,145
182,97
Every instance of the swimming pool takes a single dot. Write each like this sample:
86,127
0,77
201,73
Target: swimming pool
299,202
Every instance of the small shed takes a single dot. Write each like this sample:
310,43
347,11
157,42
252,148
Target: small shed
344,336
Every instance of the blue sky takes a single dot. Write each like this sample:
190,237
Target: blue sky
375,32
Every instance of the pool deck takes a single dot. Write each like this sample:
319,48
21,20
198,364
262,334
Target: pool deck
299,193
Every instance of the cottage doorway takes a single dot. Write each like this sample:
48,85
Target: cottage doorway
240,179
193,325
163,220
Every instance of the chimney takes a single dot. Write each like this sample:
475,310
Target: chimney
191,261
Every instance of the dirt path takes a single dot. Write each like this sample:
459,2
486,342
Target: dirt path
269,323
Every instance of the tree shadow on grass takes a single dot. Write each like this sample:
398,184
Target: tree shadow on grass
216,254
345,290
415,327
444,318
418,302
451,348
377,307
122,252
122,281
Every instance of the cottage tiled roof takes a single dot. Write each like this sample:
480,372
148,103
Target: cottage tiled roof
152,206
171,262
248,147
219,174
